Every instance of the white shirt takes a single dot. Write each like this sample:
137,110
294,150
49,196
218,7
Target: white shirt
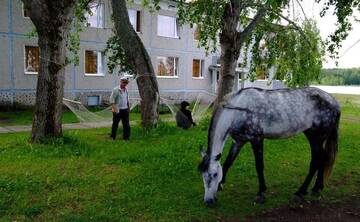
120,98
123,101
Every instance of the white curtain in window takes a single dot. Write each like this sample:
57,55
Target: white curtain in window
96,20
167,26
167,66
99,63
132,17
101,20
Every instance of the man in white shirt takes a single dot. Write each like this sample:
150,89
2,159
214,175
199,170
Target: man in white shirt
119,100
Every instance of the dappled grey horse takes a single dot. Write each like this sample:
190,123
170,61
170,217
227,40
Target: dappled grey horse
252,114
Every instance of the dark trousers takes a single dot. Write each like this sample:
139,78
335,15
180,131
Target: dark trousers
124,116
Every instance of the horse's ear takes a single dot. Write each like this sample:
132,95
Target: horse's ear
202,151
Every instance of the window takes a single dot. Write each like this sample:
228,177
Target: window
26,12
93,62
96,19
167,26
32,59
197,69
93,100
135,19
197,33
261,73
167,66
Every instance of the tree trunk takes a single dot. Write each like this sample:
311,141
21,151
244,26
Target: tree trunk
138,57
231,41
52,20
230,50
50,89
228,61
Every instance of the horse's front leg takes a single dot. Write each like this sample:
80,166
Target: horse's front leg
258,148
233,153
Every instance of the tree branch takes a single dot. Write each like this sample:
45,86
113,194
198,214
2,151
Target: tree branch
302,9
296,27
248,30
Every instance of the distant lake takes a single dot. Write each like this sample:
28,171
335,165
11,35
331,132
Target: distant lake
354,90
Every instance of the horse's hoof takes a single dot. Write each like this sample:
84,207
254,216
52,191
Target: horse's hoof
296,198
315,193
260,199
220,187
315,196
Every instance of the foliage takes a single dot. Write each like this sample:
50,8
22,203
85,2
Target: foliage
207,15
340,76
297,52
344,10
298,59
77,25
117,59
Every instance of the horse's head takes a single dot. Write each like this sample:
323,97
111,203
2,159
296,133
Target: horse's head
212,174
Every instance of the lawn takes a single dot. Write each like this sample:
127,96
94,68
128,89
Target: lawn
25,116
87,177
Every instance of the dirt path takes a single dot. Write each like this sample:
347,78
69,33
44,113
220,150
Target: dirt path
348,210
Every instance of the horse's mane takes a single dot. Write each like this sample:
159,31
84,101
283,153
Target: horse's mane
204,165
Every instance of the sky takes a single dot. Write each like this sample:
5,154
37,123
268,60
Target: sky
349,56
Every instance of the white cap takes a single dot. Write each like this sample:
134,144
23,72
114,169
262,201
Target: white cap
124,78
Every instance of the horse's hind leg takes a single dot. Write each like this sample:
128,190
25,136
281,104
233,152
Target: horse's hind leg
234,151
319,183
316,153
258,148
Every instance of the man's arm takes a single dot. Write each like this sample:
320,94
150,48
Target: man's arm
190,117
114,107
128,104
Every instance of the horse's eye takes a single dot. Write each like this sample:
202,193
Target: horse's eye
215,175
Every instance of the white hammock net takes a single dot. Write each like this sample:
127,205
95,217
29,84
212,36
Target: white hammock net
85,115
201,106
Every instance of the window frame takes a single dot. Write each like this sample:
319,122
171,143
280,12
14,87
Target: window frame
266,77
23,12
196,27
25,71
100,24
176,68
99,100
177,28
101,64
138,16
201,67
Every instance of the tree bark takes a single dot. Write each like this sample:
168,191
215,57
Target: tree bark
230,50
138,57
231,41
52,20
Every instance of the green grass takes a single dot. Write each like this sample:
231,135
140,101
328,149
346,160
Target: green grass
24,117
84,176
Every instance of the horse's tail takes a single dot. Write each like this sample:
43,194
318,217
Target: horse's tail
331,148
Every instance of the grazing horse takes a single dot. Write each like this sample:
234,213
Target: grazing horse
252,114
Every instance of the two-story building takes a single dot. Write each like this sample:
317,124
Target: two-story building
183,70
